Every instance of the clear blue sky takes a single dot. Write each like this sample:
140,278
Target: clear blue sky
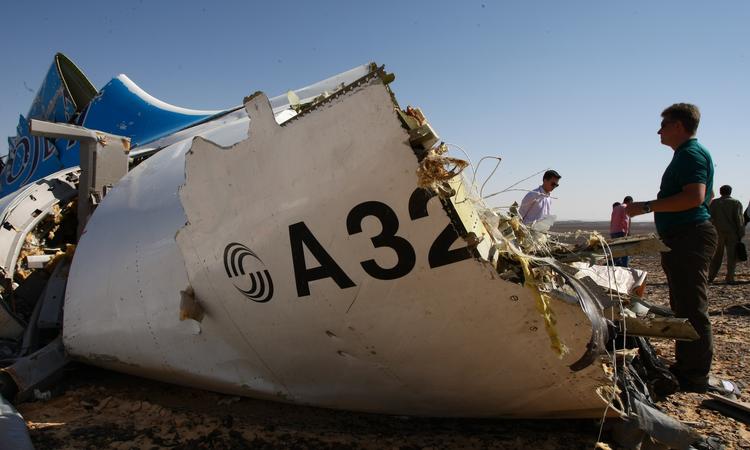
576,86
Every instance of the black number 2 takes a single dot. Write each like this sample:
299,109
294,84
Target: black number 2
387,238
440,251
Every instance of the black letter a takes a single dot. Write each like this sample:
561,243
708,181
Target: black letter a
299,234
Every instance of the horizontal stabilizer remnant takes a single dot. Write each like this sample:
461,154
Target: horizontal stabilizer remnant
627,246
660,327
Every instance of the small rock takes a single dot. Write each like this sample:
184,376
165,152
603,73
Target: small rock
42,396
228,400
103,404
180,421
136,406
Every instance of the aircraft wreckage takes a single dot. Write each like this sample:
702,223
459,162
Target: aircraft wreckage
318,248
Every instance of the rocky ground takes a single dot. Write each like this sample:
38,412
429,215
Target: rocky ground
94,409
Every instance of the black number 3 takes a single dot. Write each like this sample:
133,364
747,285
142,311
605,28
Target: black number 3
387,238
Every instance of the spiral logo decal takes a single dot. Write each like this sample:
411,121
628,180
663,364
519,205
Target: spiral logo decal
261,284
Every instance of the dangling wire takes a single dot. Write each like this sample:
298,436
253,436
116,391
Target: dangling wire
471,165
610,270
473,171
516,184
516,190
481,189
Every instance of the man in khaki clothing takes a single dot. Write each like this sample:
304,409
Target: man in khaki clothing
726,215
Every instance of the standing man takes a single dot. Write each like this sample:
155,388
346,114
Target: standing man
537,203
682,220
619,226
727,217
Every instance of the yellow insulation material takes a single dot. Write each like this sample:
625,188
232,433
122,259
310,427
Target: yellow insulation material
543,305
436,169
610,395
596,239
70,250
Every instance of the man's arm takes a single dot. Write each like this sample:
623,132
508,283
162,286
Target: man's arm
691,196
739,219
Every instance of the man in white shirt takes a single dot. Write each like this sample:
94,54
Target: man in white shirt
537,203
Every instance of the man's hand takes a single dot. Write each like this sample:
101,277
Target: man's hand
691,196
634,209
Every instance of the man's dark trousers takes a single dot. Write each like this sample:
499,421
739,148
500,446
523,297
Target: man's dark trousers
686,267
622,261
728,241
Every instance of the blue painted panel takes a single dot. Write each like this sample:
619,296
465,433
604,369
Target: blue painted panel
29,157
124,109
120,108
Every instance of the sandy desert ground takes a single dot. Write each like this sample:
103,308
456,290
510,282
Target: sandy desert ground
96,409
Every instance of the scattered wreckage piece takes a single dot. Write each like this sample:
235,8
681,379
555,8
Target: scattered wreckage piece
103,161
649,244
598,249
20,214
620,280
729,407
286,251
660,327
624,286
36,371
13,432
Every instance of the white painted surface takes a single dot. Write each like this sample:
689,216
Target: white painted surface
446,341
150,99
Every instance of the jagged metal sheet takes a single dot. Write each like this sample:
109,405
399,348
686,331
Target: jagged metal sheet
386,331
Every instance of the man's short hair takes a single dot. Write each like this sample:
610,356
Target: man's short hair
615,204
725,190
685,113
627,199
550,174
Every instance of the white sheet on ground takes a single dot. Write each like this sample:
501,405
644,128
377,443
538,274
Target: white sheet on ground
620,279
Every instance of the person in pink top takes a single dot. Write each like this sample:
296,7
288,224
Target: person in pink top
619,226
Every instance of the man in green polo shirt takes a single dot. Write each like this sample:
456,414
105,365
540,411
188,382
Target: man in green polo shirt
682,218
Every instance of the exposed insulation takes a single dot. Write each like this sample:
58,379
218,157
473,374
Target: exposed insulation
417,114
596,239
435,169
36,241
59,256
611,396
543,305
